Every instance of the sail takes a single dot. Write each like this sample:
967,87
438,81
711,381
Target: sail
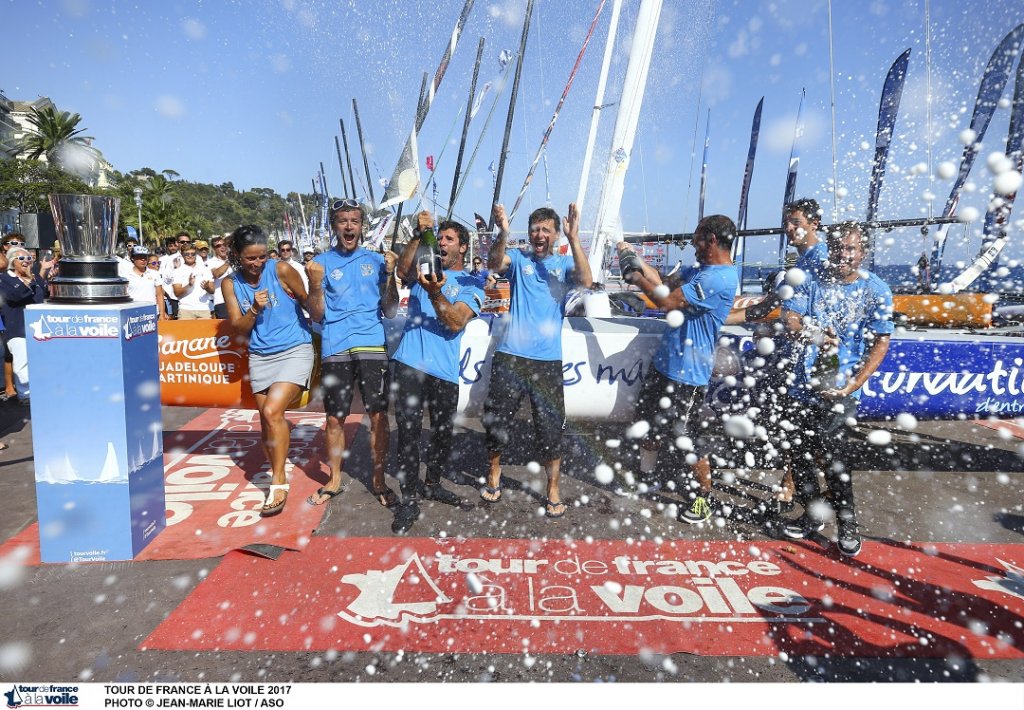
111,472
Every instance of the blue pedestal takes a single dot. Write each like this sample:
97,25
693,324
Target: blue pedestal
97,433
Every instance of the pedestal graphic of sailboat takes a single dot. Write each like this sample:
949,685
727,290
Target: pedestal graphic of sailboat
111,472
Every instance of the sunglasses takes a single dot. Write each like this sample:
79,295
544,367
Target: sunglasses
155,262
285,248
347,202
13,243
29,259
185,242
188,253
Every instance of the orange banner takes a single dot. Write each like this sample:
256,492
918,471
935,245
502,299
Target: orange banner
202,364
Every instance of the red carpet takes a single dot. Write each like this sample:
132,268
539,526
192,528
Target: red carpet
610,597
216,475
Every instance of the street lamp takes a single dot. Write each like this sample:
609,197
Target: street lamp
138,204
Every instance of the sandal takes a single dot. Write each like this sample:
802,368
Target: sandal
387,497
549,504
312,500
494,491
268,507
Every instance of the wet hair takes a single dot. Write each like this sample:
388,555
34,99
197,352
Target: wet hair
721,226
840,231
245,236
542,213
807,206
459,229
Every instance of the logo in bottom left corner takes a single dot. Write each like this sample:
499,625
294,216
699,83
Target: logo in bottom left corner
43,694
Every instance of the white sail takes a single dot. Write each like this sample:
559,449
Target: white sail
608,222
158,445
111,472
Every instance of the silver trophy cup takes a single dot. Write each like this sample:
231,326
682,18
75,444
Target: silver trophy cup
87,230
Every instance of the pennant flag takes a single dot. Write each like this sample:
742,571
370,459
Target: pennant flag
430,163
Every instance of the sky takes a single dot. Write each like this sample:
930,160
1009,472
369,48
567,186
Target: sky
251,93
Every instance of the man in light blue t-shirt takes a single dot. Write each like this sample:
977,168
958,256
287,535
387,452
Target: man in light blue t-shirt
528,359
426,363
845,321
350,290
684,359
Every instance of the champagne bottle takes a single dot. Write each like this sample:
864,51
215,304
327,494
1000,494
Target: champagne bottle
826,367
430,260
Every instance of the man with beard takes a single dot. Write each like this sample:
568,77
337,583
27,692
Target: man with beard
426,363
350,290
528,359
845,322
673,393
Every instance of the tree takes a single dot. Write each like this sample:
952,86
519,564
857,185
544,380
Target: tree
54,133
25,184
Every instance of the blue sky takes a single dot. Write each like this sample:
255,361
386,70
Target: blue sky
251,93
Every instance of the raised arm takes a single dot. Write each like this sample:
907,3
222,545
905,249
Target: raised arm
646,278
406,267
497,259
571,226
315,299
453,316
389,289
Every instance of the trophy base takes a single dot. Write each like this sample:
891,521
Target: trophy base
90,292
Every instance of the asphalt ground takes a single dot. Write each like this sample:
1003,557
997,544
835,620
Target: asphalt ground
948,482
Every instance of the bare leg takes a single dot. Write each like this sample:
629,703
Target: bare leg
335,436
554,471
276,432
702,469
493,476
9,379
380,434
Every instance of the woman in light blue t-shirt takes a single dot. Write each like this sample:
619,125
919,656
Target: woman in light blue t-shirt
265,304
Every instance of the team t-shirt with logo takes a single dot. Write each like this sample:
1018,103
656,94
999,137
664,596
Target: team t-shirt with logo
427,345
352,314
142,287
537,289
687,353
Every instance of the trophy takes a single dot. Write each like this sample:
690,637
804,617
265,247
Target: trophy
87,230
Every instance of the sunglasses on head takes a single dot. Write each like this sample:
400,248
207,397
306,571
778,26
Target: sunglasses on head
14,243
347,202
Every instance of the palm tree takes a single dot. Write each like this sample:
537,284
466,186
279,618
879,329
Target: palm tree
54,131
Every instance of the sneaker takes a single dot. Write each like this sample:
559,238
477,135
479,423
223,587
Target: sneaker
435,491
849,541
699,511
803,526
407,514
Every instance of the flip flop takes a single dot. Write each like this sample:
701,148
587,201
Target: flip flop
268,509
324,492
549,504
494,491
387,497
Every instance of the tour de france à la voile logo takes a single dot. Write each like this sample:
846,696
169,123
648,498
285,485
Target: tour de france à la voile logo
43,694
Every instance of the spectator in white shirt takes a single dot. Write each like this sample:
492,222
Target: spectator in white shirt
144,284
193,285
168,263
220,267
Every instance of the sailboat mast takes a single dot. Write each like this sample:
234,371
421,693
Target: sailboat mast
624,133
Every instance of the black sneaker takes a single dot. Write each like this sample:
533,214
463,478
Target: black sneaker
700,510
408,512
849,541
435,491
803,526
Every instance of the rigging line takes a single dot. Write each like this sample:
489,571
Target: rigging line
643,178
832,98
696,118
928,101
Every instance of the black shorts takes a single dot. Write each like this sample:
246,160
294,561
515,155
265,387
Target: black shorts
512,378
680,418
339,379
